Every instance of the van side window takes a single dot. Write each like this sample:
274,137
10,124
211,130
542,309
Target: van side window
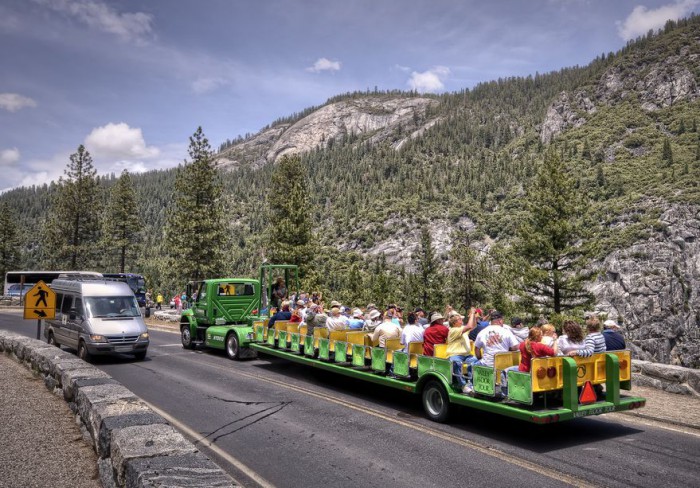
67,302
59,299
79,311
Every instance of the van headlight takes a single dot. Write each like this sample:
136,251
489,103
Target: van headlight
98,338
144,336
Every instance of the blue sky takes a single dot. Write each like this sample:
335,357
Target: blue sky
132,80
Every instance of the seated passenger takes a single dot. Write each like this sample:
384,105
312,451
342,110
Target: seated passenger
518,329
594,342
386,330
335,320
459,347
296,316
614,340
413,332
373,320
571,340
532,347
482,321
283,314
436,333
357,320
549,337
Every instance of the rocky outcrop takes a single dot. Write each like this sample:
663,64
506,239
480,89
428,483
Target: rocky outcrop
566,112
375,119
654,287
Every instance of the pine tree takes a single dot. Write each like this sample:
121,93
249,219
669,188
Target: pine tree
667,153
290,236
548,241
72,228
195,231
10,254
120,226
468,272
428,273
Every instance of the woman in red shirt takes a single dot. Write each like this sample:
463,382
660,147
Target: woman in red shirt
529,348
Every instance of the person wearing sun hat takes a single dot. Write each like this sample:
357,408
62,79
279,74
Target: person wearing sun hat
614,340
436,333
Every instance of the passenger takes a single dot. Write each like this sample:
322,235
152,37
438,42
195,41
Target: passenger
482,321
296,316
549,336
301,307
336,321
279,292
373,320
283,314
386,330
518,329
357,320
413,332
532,347
571,340
421,319
494,339
436,333
459,347
614,340
594,342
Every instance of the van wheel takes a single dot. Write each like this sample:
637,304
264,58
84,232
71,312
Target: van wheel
83,352
140,356
186,337
233,350
436,402
52,340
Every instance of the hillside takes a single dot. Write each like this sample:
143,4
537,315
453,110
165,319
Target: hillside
384,165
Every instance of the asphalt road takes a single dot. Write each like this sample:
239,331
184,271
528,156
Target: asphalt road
270,422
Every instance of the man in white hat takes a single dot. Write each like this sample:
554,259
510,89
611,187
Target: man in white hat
614,340
375,318
436,333
357,320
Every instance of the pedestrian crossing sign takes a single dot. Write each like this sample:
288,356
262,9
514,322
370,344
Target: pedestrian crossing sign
40,302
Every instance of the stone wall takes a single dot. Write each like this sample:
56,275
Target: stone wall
673,379
136,447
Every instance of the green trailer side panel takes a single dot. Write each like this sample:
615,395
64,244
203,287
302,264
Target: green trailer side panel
401,364
379,359
520,387
259,333
295,342
270,337
324,349
484,380
341,352
309,345
282,339
358,355
443,367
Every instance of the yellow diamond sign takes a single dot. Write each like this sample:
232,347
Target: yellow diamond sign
40,302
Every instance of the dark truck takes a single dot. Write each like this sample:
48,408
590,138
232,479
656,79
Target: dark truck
223,310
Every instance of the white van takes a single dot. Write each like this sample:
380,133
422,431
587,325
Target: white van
97,317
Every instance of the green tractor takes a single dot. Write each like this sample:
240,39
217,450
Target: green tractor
223,310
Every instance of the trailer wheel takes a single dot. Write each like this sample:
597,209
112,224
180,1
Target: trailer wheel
52,340
186,337
233,350
436,402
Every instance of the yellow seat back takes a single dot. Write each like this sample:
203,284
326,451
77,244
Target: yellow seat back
440,351
391,346
414,349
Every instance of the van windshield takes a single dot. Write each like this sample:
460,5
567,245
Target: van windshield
123,306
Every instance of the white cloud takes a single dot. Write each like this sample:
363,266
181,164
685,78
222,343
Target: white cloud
323,64
119,141
13,101
9,156
405,69
642,19
429,81
206,85
100,16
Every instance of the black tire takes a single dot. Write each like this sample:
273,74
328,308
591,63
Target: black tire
83,352
436,402
186,337
52,340
233,349
140,356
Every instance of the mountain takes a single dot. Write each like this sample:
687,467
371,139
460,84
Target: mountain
384,165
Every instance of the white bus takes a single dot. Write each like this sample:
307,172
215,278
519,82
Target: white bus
17,283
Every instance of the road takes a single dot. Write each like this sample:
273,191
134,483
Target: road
268,422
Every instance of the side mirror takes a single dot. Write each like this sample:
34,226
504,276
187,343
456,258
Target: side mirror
72,314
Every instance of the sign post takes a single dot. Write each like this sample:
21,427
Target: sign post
40,303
